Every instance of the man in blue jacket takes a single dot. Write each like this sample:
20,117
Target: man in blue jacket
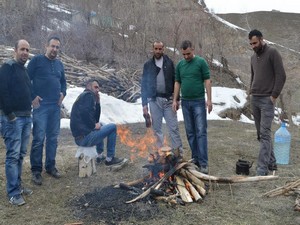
86,128
49,89
15,118
157,90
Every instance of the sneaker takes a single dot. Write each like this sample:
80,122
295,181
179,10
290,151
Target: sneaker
100,158
203,169
261,173
17,200
114,161
54,173
37,178
26,191
272,166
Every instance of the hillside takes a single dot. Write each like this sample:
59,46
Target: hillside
119,34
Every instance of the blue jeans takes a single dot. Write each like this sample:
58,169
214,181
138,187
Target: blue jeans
195,122
263,113
46,124
16,137
96,138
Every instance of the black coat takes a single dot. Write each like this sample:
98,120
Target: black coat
150,72
15,89
85,114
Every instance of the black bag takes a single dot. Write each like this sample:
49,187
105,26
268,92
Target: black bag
243,167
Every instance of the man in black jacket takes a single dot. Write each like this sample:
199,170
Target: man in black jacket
15,115
85,125
157,89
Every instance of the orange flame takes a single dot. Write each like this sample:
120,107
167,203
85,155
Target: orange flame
141,145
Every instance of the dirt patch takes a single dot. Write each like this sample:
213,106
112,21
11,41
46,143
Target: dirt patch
92,200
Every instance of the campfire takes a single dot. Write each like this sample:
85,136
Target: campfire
171,178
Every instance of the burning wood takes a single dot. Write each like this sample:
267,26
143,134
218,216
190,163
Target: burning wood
174,181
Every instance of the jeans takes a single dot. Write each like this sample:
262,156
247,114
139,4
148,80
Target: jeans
159,109
195,122
16,137
263,113
46,124
96,138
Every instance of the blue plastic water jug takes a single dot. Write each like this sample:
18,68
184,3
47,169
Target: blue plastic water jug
282,144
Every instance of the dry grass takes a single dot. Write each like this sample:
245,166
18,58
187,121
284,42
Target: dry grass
53,202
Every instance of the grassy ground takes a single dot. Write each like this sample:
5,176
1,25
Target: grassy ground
55,201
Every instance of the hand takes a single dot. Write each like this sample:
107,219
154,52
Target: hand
209,106
36,102
61,98
175,105
145,110
273,100
97,126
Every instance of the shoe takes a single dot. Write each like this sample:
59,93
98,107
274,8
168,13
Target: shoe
54,173
272,166
37,178
26,191
261,173
203,169
17,200
100,158
114,161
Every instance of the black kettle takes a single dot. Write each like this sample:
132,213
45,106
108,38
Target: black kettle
243,167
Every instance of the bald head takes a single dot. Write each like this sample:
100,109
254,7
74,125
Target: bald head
21,51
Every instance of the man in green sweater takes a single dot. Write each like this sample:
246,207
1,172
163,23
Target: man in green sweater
192,76
267,80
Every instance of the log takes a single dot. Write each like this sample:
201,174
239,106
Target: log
194,193
199,184
234,179
184,193
85,168
161,180
172,199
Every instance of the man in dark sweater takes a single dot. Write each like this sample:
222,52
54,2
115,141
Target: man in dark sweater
86,128
49,89
267,80
15,118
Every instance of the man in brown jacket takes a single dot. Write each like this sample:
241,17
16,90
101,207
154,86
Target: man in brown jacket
267,80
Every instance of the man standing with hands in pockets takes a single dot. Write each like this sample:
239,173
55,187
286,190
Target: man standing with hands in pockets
49,89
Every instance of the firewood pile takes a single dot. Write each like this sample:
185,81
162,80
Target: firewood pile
180,181
123,84
291,188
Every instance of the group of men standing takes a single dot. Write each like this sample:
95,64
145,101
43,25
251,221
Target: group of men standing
41,86
162,85
33,96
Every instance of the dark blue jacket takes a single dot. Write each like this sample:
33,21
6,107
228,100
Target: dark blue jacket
48,78
85,114
15,90
150,72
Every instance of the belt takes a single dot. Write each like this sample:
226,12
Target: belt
163,95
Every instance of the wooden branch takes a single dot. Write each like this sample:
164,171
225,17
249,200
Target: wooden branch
234,179
184,193
166,176
284,189
194,193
